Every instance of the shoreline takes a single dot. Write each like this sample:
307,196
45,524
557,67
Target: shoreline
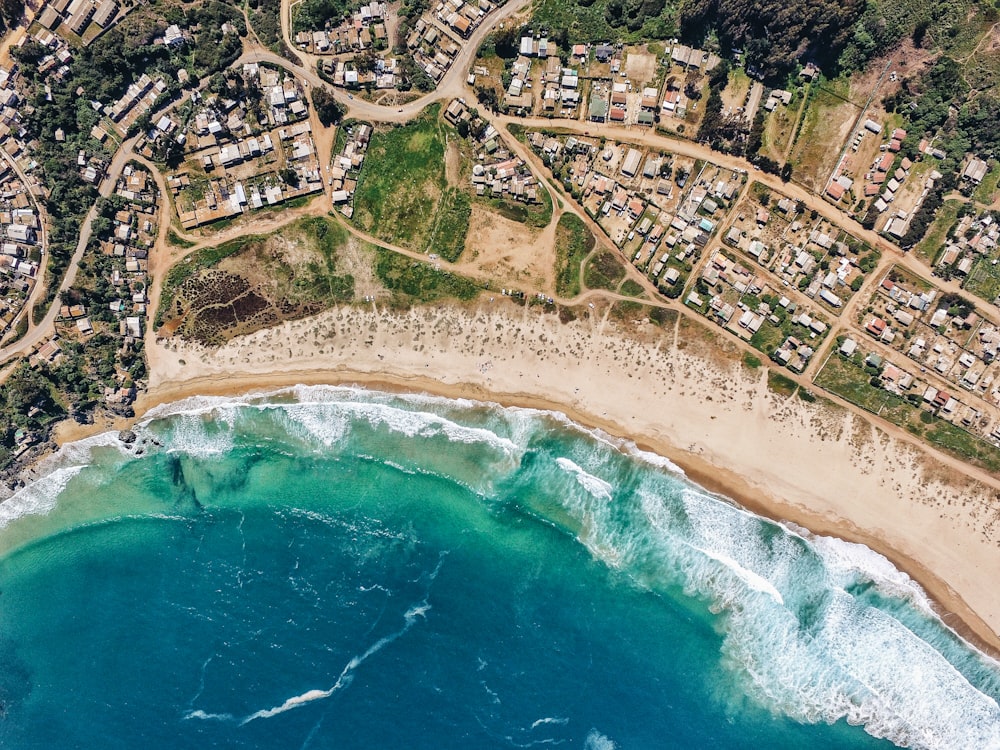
947,604
675,391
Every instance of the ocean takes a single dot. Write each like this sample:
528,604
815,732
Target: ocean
334,567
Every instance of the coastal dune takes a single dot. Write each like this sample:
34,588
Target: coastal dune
670,390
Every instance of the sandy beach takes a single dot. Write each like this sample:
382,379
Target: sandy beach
815,465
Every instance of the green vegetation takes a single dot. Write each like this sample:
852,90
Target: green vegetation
751,361
415,281
198,261
953,439
403,196
780,384
328,109
536,215
984,280
25,390
852,382
452,224
774,35
177,241
987,188
310,15
603,271
256,282
605,20
932,244
631,288
574,242
627,311
265,17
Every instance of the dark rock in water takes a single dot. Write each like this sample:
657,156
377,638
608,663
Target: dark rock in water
127,437
139,451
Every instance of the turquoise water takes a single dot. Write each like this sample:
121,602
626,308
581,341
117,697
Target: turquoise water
337,568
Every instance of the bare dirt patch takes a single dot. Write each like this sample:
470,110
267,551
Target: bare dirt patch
453,163
907,61
640,65
508,250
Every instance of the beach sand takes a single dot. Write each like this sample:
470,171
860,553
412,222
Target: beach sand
671,390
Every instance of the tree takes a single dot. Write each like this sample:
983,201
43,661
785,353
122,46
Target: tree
328,109
290,177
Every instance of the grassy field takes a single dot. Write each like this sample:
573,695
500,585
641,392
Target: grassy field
403,195
984,280
603,270
826,121
412,281
851,382
451,224
780,384
631,288
930,247
573,243
986,190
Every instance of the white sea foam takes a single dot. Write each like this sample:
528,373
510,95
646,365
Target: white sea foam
597,741
594,485
849,660
808,649
410,617
199,714
37,498
751,579
562,721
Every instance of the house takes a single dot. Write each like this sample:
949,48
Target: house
835,190
875,326
975,171
173,36
630,166
105,13
49,18
603,52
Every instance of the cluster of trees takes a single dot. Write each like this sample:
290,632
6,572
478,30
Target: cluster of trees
774,34
11,12
327,108
314,14
413,75
727,133
633,15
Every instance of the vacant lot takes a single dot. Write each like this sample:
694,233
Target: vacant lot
403,195
574,242
825,127
508,250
